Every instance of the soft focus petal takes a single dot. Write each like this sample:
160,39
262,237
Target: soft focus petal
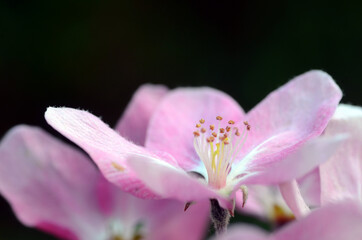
105,146
310,187
169,181
159,219
134,121
243,232
287,118
49,185
341,176
174,121
292,196
333,222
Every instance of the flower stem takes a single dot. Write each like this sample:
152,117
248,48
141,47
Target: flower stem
219,216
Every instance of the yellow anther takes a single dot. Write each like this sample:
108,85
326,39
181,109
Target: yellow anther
222,130
198,125
228,128
219,118
231,122
214,134
202,121
118,167
203,130
212,127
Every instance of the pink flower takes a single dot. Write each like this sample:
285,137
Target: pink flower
185,137
333,222
55,188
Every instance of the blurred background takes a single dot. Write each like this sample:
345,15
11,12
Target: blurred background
94,54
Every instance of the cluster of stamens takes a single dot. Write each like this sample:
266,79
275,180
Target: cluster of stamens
218,147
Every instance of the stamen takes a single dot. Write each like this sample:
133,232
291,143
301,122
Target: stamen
118,167
196,134
219,148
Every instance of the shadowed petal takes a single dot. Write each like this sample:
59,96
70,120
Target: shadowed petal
173,123
105,146
49,185
134,121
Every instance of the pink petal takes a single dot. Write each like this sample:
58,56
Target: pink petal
105,146
241,232
288,117
296,165
49,185
310,187
173,123
169,181
333,222
134,121
341,176
292,196
161,219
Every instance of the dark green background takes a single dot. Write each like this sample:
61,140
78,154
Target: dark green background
93,54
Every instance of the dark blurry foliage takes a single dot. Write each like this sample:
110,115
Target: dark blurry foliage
94,54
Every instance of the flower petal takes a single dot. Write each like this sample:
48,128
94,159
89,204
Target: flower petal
292,196
105,146
171,182
296,165
341,176
333,222
49,185
174,121
134,121
288,117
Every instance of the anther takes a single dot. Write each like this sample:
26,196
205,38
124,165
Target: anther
231,122
228,128
212,127
214,134
219,118
196,134
222,130
203,130
237,133
248,127
202,121
198,125
246,123
226,135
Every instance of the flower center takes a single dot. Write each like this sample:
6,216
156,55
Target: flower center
218,148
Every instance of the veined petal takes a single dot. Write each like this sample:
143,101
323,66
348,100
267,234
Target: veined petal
49,184
288,117
105,146
172,125
341,176
172,182
134,121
